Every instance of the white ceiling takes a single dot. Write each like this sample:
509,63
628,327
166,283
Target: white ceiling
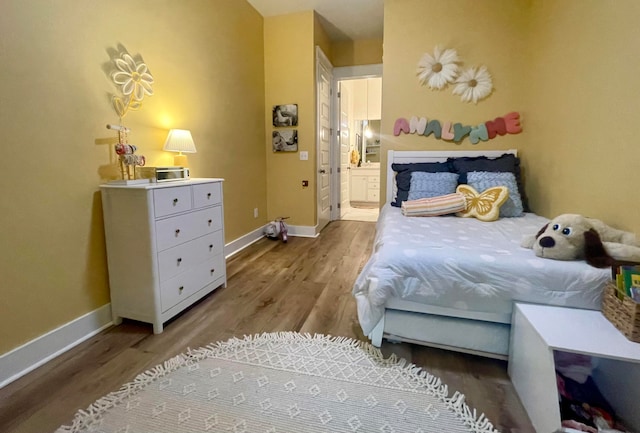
341,19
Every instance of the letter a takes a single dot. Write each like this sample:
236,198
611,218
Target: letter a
401,125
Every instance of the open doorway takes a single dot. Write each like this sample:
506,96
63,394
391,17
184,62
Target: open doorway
358,105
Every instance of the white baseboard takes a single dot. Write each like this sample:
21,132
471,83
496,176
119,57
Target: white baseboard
303,231
243,242
31,355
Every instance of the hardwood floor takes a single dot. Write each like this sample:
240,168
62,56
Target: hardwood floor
304,285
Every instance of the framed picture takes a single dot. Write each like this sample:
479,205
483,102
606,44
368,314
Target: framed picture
285,140
285,115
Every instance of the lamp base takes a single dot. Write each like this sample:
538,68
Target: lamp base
180,160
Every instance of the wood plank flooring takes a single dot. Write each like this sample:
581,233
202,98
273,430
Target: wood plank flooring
304,285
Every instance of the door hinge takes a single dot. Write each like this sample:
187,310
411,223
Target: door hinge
339,94
330,207
339,170
338,205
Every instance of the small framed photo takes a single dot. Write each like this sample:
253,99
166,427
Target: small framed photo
285,115
285,140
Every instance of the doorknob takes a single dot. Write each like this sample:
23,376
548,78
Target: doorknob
322,170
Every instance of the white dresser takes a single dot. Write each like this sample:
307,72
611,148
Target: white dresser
165,247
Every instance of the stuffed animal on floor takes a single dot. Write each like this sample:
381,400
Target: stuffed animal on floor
575,237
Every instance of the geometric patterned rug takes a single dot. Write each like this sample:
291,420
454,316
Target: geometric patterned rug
282,382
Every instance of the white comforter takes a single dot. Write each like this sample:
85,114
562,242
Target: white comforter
467,264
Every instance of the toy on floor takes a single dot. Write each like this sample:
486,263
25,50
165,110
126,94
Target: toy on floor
575,237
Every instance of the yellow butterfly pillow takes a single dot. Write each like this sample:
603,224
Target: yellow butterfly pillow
485,206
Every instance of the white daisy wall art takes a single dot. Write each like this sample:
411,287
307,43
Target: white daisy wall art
439,69
474,84
134,81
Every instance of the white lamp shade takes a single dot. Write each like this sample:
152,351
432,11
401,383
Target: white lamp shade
180,140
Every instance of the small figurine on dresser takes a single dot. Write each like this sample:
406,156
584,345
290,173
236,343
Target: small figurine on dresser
126,153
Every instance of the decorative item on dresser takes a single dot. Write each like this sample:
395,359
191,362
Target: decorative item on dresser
165,247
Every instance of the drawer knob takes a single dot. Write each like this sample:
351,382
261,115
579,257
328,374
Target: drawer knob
179,260
208,195
180,289
210,247
212,271
177,232
175,201
209,222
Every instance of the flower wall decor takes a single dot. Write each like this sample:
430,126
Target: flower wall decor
439,69
474,84
134,81
442,68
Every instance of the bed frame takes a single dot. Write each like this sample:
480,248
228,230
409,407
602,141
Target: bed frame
485,334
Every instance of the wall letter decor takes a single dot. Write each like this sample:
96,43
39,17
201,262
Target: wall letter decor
507,124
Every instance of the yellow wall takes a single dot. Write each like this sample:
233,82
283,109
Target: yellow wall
492,33
289,79
355,53
584,107
207,61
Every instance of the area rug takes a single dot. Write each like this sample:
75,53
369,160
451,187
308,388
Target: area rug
282,382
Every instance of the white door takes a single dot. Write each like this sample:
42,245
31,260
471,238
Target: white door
345,164
323,88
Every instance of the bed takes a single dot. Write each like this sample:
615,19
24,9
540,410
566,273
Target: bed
452,282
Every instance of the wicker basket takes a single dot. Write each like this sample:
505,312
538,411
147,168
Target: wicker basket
622,311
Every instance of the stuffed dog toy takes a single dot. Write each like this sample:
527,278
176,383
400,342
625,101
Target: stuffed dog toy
575,237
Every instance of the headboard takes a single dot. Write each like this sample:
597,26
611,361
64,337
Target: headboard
406,156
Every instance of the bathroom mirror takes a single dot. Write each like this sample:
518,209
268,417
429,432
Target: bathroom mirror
369,145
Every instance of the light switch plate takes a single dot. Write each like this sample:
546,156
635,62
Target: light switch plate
304,155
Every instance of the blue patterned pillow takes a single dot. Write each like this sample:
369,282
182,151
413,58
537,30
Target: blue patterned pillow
482,180
427,185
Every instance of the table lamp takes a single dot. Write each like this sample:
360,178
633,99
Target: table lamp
180,140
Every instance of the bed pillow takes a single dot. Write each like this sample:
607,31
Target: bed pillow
434,206
484,206
427,185
403,176
505,163
483,180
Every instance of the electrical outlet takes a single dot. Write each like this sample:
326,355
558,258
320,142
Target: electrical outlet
305,183
255,212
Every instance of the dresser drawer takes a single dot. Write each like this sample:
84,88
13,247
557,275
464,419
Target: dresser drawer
183,228
207,194
373,185
207,220
167,201
374,179
184,257
175,231
373,195
180,287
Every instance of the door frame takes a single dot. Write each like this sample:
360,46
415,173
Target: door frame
343,73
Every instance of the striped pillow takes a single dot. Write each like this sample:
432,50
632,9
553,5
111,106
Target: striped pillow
434,206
